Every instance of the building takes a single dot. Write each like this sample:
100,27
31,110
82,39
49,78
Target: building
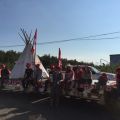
114,59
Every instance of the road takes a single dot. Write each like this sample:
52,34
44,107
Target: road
21,106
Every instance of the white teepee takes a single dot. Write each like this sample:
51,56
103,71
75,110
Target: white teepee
27,56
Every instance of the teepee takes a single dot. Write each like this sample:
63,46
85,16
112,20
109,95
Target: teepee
27,56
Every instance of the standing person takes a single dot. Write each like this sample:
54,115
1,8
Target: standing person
4,74
52,69
38,76
28,76
69,76
57,76
118,80
87,77
79,77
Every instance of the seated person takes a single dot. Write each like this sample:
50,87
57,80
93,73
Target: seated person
102,80
28,76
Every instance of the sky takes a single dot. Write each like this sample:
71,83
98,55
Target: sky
61,20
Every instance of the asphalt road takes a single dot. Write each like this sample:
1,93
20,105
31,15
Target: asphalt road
20,106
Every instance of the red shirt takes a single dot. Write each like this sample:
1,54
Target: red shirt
78,74
69,75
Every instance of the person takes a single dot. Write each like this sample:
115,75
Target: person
52,69
79,77
69,76
38,76
102,80
4,74
56,75
28,76
49,80
87,76
118,80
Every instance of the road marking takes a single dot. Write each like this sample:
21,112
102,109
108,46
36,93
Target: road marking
41,100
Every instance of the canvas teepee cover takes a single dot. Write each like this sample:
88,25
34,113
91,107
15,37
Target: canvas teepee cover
27,56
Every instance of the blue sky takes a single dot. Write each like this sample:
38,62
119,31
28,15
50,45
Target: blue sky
60,20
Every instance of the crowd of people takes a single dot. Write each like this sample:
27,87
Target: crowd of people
32,76
80,76
77,77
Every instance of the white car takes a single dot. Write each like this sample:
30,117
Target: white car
96,73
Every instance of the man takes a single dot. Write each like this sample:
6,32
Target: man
56,76
4,74
79,77
38,76
69,76
87,76
28,76
118,80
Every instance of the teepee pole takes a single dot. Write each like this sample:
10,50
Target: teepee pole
22,38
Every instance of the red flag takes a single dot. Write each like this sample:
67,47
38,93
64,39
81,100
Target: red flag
35,40
59,59
32,50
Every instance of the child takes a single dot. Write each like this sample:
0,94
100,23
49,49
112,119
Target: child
102,80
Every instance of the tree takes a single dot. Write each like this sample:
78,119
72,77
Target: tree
10,57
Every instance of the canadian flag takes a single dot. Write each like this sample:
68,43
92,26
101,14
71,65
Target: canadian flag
59,59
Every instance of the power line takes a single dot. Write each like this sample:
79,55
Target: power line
75,39
7,46
61,41
82,38
104,34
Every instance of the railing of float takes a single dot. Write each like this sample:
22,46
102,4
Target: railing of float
13,84
89,91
